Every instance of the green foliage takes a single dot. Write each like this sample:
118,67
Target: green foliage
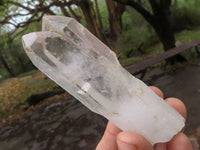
129,61
3,73
104,14
185,18
190,55
138,37
181,37
14,55
128,42
132,18
5,41
188,3
135,40
13,52
188,35
1,2
84,23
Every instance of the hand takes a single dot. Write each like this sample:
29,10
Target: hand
116,139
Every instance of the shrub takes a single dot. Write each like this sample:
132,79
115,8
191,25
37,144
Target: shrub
135,40
185,18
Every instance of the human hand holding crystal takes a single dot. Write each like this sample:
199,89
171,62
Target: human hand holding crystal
116,139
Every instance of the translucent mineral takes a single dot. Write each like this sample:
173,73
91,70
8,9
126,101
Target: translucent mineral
81,64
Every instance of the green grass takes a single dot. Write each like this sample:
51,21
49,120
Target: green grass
3,73
155,49
135,40
188,35
27,73
181,37
128,61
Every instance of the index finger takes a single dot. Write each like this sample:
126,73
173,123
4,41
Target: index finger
108,141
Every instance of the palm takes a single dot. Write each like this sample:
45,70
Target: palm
115,139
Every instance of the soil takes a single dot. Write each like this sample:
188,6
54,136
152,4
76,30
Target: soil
61,125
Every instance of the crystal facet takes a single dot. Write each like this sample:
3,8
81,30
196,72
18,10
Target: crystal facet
76,60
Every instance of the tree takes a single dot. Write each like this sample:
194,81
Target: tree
98,15
120,9
15,51
12,56
115,14
158,18
6,66
112,18
175,3
1,2
3,59
90,17
34,10
20,15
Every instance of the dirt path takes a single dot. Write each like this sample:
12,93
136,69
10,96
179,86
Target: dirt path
68,125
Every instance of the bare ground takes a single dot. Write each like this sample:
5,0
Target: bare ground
65,124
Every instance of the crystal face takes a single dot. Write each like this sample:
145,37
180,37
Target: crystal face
81,64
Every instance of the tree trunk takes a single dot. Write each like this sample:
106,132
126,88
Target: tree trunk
159,20
18,60
161,25
21,62
64,11
175,3
165,33
90,19
78,18
98,15
6,66
120,9
112,18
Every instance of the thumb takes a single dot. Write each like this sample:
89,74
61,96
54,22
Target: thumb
132,141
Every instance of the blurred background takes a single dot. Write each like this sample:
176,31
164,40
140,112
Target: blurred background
35,113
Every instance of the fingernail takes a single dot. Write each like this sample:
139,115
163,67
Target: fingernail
125,146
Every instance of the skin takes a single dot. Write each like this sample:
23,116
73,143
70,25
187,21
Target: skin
116,139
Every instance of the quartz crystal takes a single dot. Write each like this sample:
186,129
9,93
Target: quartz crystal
81,64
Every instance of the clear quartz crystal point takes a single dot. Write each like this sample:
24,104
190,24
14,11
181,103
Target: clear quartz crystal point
76,60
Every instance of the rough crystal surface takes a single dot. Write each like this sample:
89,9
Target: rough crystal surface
76,60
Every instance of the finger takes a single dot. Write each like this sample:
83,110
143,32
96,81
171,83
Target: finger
180,142
178,105
132,141
161,146
108,141
157,91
